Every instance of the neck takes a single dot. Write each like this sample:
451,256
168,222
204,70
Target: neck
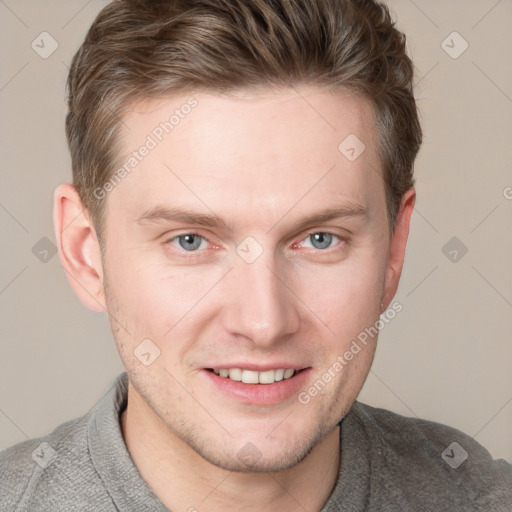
183,480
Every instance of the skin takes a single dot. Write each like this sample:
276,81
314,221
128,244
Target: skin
261,162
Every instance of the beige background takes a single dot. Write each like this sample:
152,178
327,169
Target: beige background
446,357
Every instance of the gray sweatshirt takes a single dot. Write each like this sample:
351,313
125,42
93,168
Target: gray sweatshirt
389,463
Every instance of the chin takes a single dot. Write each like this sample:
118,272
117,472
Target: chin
259,455
249,459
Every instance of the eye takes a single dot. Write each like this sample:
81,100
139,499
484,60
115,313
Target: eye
321,240
189,241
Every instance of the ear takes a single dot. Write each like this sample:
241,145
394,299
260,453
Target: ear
79,249
397,245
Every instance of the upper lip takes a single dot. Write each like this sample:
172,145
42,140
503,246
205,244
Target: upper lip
258,367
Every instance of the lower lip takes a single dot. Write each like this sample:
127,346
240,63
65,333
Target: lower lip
258,394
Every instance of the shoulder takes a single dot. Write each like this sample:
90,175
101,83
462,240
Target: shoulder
435,459
47,473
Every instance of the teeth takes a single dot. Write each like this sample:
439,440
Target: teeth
235,374
253,377
288,373
267,377
250,377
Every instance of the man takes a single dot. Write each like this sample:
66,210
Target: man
241,198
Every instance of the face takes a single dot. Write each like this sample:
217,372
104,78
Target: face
245,243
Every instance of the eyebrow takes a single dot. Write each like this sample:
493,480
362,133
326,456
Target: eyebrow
159,214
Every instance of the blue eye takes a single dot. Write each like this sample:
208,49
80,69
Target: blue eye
321,240
189,242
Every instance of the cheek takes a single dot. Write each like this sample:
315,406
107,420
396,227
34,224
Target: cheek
159,302
346,297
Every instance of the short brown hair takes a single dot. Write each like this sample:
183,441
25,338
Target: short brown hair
137,49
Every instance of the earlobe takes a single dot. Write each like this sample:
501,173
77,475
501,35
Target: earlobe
397,246
79,249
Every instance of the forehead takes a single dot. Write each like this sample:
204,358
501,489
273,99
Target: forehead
264,151
287,113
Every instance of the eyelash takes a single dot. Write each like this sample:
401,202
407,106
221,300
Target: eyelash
323,233
197,253
182,252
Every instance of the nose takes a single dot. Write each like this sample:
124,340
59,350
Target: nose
260,304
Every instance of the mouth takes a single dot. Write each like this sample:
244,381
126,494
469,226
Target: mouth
251,386
255,377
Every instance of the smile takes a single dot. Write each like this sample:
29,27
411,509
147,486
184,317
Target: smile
255,377
257,386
